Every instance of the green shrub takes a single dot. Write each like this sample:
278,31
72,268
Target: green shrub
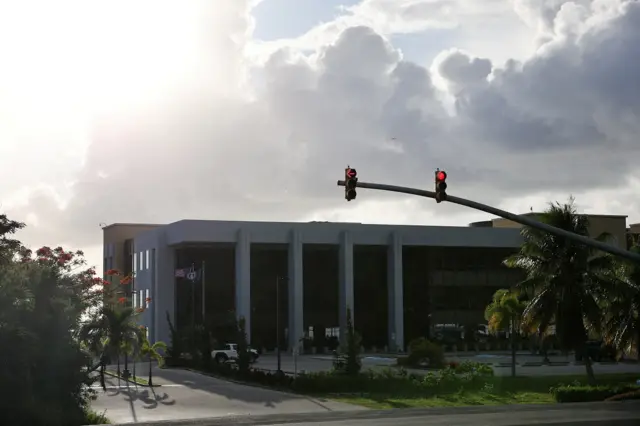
479,368
93,418
584,393
389,381
422,351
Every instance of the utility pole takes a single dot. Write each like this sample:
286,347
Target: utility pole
523,220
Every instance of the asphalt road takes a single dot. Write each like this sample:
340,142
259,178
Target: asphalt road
313,363
187,395
602,414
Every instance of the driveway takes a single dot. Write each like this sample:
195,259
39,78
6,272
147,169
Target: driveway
187,395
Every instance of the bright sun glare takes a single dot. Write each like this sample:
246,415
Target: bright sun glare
100,53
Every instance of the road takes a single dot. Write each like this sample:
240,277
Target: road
600,414
313,363
187,395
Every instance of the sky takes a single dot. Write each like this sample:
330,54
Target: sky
157,111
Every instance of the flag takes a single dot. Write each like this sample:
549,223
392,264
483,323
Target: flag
194,274
180,273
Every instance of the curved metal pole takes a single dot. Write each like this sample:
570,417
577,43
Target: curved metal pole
523,220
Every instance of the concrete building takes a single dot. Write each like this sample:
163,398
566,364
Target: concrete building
397,280
633,234
614,225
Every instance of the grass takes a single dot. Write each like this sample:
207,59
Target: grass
496,391
138,380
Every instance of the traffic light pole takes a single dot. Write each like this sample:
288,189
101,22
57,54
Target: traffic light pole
523,220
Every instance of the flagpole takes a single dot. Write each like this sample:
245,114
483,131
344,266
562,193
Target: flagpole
203,293
193,300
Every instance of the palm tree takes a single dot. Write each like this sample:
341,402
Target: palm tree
505,311
562,279
621,306
114,326
152,351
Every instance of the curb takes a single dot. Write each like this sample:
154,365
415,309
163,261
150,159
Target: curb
108,373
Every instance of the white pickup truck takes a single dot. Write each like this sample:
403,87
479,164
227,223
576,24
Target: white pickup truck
229,352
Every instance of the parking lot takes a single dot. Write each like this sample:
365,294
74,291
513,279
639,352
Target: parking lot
526,364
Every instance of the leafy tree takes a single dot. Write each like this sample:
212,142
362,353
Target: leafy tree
8,246
562,279
43,374
505,312
621,306
113,325
244,357
152,352
348,361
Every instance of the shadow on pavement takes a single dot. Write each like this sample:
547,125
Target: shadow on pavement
130,392
229,390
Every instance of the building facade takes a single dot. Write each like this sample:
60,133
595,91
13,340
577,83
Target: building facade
614,225
397,280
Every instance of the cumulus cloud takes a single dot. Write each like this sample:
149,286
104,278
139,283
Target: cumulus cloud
209,134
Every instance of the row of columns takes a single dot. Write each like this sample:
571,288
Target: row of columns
346,293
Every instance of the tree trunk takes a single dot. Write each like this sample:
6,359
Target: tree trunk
591,378
102,382
513,348
638,341
150,374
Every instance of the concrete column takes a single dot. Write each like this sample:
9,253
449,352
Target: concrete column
395,294
345,297
164,298
243,279
296,290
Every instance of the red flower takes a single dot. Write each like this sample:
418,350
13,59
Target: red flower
122,300
148,299
97,280
113,272
43,251
105,282
125,280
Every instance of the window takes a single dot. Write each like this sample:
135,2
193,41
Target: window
146,298
135,300
148,264
135,263
142,304
141,261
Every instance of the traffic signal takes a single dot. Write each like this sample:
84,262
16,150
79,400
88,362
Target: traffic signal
350,183
441,186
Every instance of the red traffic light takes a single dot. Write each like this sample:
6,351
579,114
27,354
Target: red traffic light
441,176
351,173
